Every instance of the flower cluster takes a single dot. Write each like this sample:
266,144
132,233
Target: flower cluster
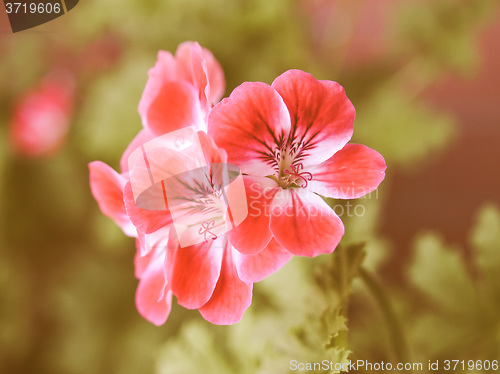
220,195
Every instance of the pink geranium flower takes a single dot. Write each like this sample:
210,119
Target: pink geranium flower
41,117
291,139
181,90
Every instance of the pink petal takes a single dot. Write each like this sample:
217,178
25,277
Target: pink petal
192,68
322,115
107,188
352,172
147,221
216,81
304,224
153,298
156,241
163,71
212,153
142,137
175,106
195,272
253,234
254,268
198,66
141,262
231,296
189,58
249,125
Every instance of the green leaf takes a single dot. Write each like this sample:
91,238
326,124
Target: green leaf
194,351
439,272
403,130
486,242
443,31
463,316
336,275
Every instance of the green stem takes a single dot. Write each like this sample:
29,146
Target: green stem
396,332
342,337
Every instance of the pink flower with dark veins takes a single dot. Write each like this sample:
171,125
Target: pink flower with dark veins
291,139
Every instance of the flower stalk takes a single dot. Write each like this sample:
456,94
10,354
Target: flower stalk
396,331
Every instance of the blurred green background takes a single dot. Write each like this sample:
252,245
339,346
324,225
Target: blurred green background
425,80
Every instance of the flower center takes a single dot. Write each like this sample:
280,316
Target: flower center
288,168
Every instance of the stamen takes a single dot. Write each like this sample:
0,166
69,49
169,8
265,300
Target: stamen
295,172
205,228
286,160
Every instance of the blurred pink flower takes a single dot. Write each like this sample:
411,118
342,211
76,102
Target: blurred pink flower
181,90
41,117
291,138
